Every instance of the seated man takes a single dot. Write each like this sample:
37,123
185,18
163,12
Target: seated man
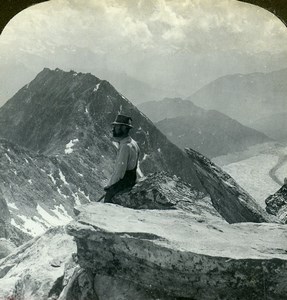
125,172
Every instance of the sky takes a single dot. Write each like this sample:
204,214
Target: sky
172,46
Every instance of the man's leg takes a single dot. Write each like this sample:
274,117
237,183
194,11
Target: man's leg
112,191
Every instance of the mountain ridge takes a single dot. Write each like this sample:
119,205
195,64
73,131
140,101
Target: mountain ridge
245,97
208,131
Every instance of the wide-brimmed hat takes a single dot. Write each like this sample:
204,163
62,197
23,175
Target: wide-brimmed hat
123,120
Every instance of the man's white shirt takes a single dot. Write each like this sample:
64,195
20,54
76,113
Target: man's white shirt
127,159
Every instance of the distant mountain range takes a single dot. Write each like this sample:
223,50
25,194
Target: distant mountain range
169,108
207,131
250,98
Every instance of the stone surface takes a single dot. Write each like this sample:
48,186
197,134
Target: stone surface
277,204
177,254
230,200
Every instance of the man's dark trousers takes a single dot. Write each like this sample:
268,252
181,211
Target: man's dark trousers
127,182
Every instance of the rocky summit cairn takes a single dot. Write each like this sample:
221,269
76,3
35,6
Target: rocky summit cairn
277,204
166,240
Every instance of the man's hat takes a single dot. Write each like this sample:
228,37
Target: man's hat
123,120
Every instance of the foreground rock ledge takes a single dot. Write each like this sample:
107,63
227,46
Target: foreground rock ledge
174,254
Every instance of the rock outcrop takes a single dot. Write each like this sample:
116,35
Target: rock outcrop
186,252
277,204
230,200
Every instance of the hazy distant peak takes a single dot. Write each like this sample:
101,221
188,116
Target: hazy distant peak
245,97
174,99
169,108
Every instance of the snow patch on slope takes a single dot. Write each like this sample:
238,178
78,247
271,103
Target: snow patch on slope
62,177
70,145
61,219
28,225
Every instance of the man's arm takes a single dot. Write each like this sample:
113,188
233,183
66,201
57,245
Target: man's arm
120,165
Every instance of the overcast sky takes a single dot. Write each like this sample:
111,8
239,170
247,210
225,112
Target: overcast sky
161,42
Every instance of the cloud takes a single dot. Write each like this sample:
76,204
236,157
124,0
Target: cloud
151,24
171,42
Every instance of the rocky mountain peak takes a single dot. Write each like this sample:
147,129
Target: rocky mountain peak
62,112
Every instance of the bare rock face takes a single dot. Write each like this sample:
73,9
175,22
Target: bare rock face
188,251
230,200
277,204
